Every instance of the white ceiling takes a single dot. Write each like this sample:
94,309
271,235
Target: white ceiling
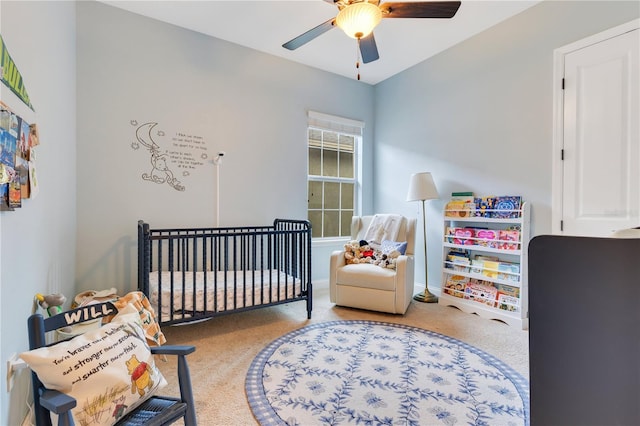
265,25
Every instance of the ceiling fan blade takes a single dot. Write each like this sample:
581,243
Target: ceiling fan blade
310,35
420,9
368,49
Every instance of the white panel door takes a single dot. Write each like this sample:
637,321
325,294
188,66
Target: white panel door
601,167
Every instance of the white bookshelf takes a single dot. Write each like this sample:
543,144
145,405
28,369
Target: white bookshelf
505,275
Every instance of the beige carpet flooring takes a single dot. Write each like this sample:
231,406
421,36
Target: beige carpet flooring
226,346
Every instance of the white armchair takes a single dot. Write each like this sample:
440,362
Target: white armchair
371,287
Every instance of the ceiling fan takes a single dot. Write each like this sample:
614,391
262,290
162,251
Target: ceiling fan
358,18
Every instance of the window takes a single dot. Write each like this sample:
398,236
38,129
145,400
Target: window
333,184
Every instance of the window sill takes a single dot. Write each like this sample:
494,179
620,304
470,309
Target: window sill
328,242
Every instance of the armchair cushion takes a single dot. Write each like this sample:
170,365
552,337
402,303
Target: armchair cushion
109,370
367,275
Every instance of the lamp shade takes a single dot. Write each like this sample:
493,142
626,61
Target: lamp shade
357,20
422,187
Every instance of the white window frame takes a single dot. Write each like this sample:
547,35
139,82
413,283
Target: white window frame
350,127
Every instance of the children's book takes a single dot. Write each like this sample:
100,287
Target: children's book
460,236
507,289
465,196
455,285
507,206
476,266
481,293
484,206
487,238
508,271
509,239
458,261
490,269
508,303
508,297
459,208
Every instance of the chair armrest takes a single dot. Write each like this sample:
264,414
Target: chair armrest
337,258
336,261
58,403
403,259
405,272
172,350
405,265
184,376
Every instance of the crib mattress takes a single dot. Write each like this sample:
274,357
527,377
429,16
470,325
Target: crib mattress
243,289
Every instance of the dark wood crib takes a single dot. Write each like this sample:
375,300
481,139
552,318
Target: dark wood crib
191,274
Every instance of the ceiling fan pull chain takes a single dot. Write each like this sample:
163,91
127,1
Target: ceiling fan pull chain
358,58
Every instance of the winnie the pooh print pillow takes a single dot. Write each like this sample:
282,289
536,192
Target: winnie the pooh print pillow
109,370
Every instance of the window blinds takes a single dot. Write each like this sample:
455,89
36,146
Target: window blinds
335,123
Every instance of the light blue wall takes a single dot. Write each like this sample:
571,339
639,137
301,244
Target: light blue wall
479,116
251,105
39,239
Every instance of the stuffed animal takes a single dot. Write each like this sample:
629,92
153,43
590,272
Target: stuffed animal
51,302
392,258
388,260
359,252
352,252
368,253
92,296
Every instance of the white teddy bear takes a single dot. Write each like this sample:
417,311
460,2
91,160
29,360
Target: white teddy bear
388,260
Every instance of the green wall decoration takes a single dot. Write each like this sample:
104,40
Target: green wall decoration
11,77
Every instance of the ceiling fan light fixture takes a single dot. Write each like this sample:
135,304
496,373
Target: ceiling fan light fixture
358,20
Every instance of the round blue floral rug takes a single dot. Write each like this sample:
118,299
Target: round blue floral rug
375,373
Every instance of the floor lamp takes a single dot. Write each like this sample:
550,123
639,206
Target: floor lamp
216,162
422,188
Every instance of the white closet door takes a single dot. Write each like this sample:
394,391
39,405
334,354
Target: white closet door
601,167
